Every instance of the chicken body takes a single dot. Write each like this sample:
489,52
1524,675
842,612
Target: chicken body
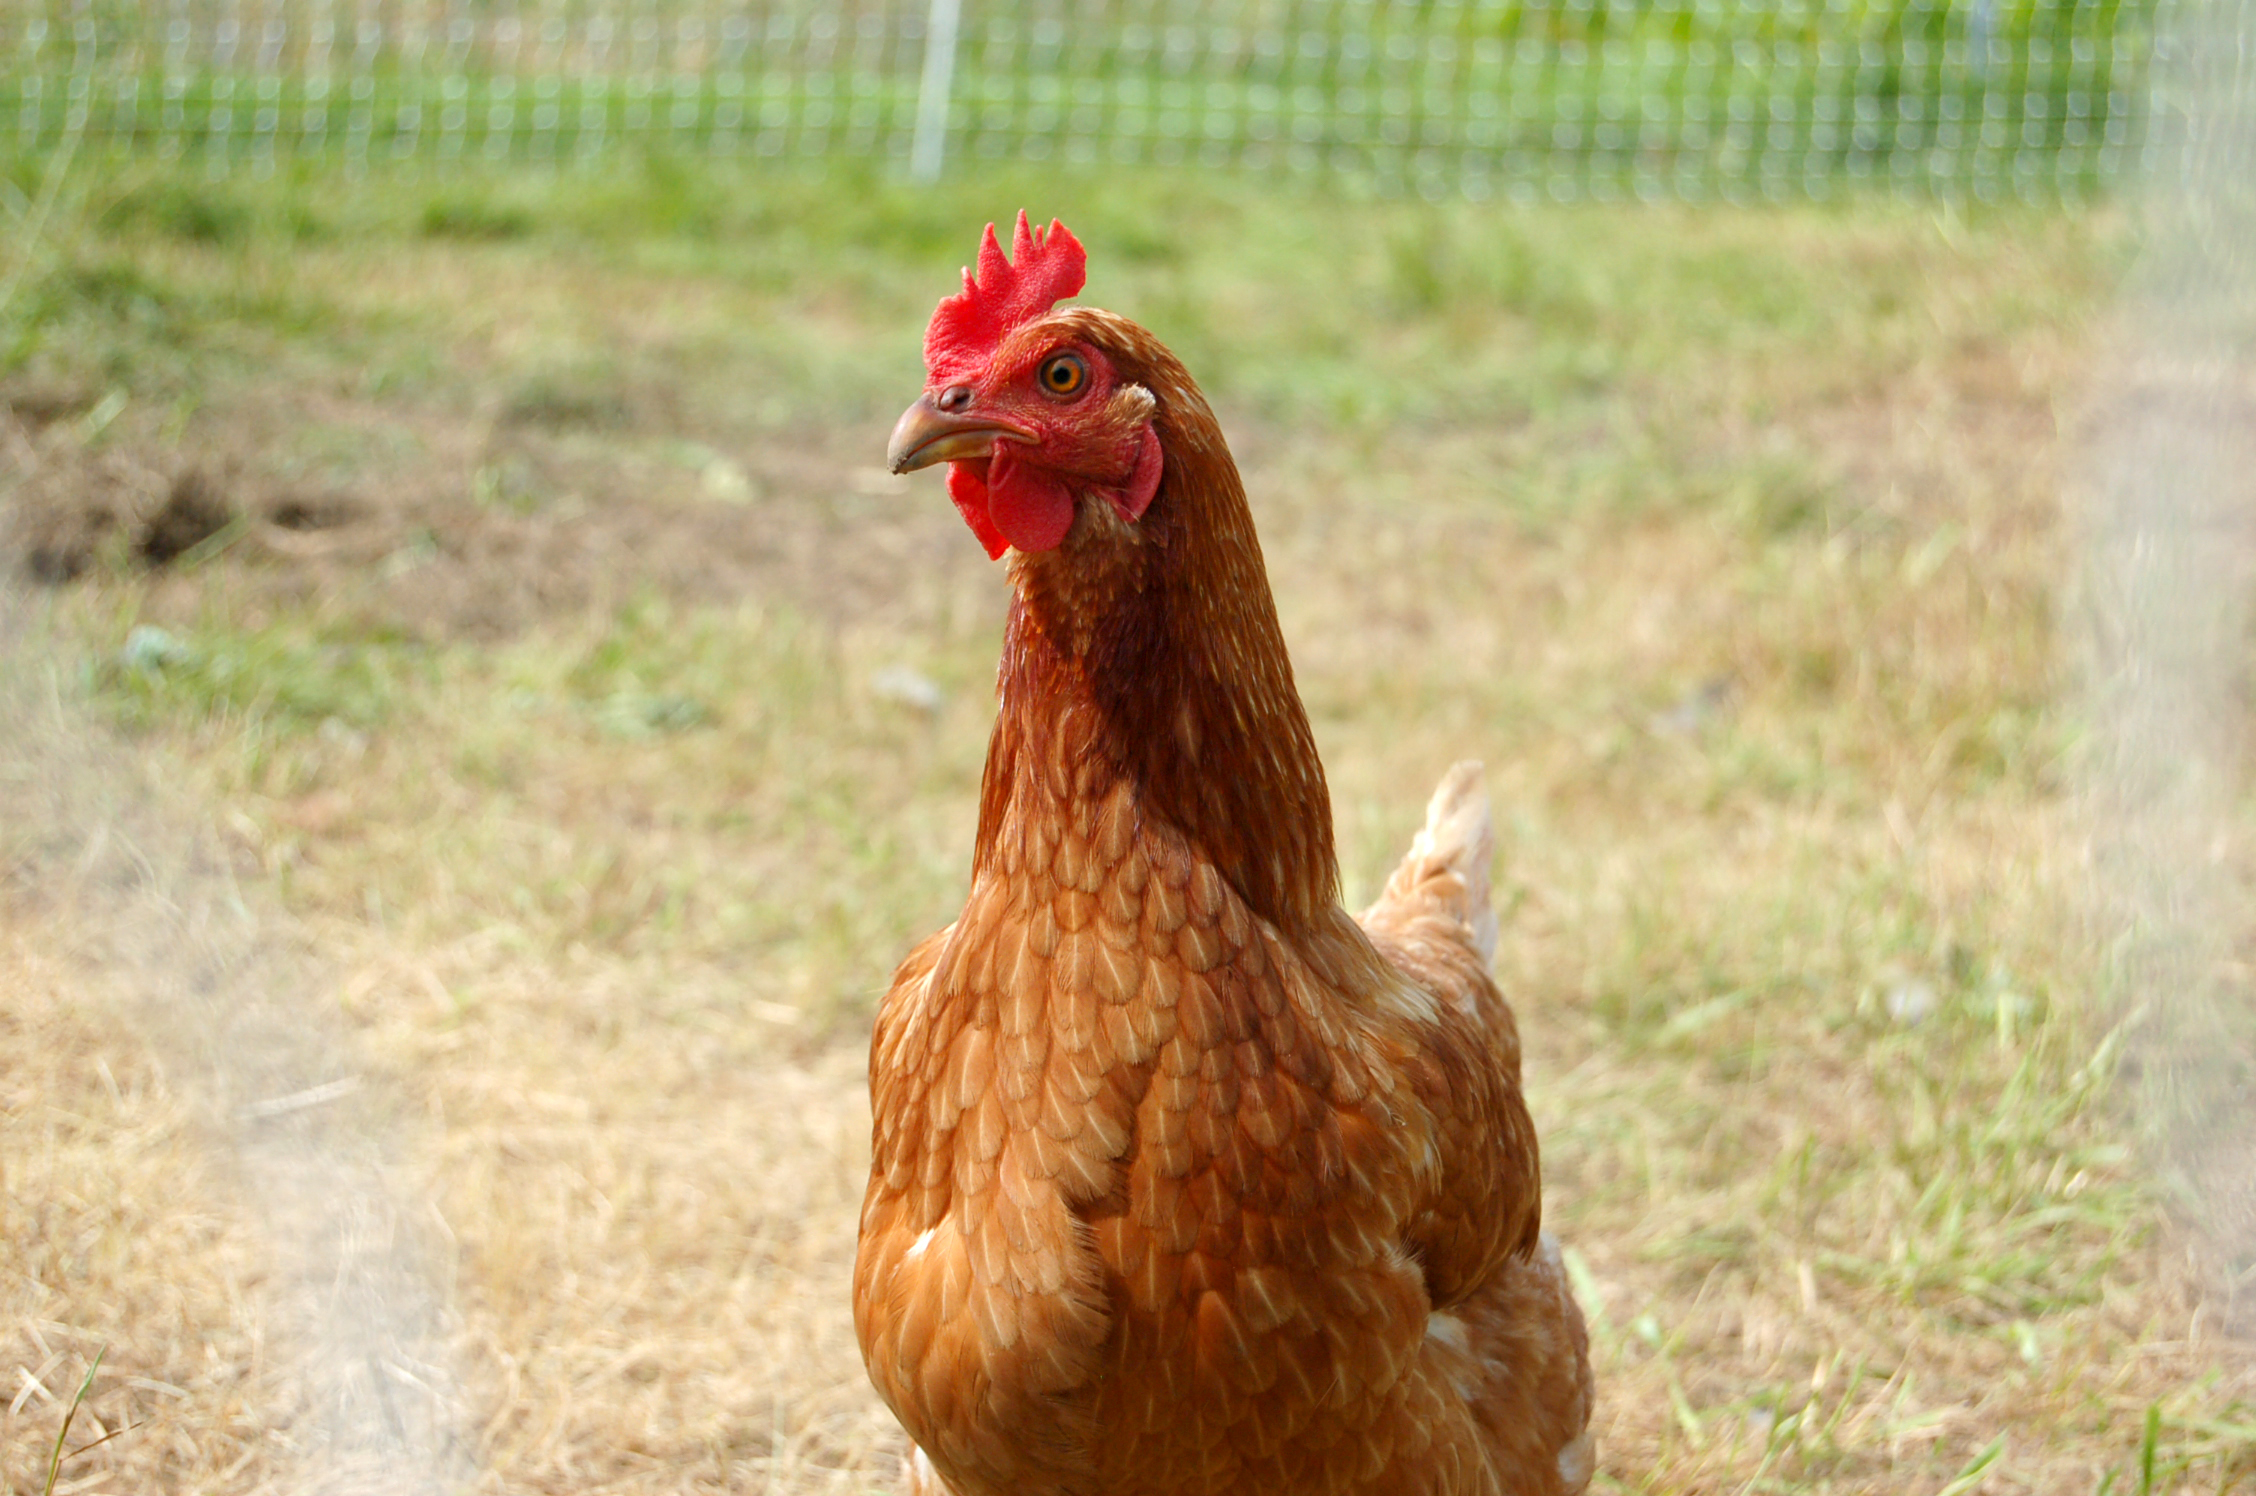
1184,1180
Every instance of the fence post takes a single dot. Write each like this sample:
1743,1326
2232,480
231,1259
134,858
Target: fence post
930,145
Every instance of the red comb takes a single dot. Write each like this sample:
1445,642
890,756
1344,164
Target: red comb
966,330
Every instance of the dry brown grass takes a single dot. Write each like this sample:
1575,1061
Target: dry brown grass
583,780
123,1233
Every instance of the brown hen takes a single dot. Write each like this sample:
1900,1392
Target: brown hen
1183,1179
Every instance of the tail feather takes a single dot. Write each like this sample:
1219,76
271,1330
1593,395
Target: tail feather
1446,871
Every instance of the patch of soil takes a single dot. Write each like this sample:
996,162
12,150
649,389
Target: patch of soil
799,527
73,509
193,512
481,525
304,513
42,403
70,506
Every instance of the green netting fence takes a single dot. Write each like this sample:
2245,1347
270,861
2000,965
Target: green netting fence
2038,99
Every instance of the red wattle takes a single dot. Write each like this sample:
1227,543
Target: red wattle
1032,509
969,492
1008,503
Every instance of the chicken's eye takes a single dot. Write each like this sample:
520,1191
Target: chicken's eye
1063,374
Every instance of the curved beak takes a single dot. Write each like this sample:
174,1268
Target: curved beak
925,434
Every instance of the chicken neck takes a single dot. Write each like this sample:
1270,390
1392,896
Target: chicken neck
1150,655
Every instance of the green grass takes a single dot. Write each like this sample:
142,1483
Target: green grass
1444,314
1730,540
281,679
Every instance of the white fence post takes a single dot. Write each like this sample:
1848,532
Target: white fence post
930,145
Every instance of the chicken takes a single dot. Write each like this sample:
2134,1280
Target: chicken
1183,1180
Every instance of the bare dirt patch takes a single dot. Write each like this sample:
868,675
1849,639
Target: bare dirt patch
477,526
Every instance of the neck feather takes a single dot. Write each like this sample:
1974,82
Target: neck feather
1154,658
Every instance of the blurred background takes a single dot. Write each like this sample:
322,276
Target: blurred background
1690,98
478,724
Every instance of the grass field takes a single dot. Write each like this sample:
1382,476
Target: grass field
487,591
